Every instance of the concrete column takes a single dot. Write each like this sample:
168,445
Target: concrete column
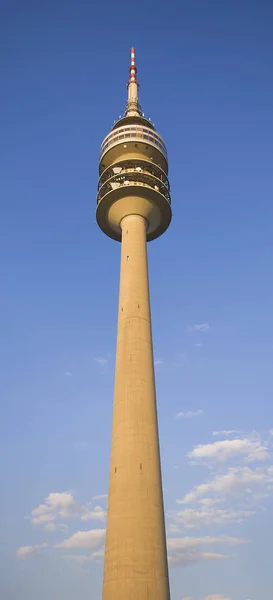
135,557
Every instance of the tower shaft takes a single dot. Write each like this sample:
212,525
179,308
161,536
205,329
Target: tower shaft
135,556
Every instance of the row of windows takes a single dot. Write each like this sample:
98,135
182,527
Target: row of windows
126,129
133,132
134,135
123,181
131,128
122,172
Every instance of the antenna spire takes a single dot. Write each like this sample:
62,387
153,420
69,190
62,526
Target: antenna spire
133,108
132,68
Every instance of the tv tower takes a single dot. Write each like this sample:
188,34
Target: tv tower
133,206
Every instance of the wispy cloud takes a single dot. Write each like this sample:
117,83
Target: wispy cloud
226,432
102,362
94,539
189,550
27,551
51,526
158,362
79,559
216,597
100,497
189,414
68,374
82,559
199,328
60,506
208,516
250,449
210,597
96,514
237,483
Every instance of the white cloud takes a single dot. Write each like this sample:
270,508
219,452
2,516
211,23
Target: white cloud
216,597
185,543
27,551
173,528
210,597
208,501
98,555
93,539
68,374
240,489
189,558
96,514
270,431
189,414
41,510
60,499
100,497
43,520
55,527
57,505
237,482
188,550
200,327
82,559
62,505
190,517
250,449
225,432
102,362
158,362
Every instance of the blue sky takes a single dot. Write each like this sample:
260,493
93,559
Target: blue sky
205,69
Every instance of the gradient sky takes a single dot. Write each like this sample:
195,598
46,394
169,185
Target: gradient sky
205,69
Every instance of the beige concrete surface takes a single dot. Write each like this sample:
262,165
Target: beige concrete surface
135,555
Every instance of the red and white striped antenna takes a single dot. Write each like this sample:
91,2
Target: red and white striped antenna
133,108
132,68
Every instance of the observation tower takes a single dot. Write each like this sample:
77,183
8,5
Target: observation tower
133,207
